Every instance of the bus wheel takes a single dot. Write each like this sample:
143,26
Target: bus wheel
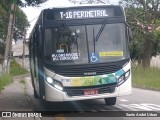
110,101
35,93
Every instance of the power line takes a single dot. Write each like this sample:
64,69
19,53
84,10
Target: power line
33,19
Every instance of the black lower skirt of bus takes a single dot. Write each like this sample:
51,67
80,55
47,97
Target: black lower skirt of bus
79,91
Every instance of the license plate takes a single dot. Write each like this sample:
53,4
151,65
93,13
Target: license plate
91,92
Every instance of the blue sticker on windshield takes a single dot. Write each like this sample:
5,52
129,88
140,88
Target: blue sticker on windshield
94,57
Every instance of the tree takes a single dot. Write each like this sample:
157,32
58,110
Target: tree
136,45
89,1
21,23
21,18
22,3
30,2
3,23
145,19
5,5
3,29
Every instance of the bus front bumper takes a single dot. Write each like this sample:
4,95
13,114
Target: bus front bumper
55,95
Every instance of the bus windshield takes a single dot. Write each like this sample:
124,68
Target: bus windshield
67,45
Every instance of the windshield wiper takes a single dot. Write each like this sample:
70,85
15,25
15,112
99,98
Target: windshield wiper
101,30
66,26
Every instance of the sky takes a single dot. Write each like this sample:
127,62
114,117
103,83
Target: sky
33,12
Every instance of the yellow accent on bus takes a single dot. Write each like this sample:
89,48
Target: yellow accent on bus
112,53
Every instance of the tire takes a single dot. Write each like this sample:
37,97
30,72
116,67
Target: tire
110,101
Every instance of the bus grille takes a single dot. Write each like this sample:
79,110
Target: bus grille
100,70
80,70
79,91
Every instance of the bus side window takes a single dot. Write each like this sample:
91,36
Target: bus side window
49,41
34,52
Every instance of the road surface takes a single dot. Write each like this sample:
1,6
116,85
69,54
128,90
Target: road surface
140,100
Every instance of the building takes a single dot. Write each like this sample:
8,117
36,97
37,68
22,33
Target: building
17,49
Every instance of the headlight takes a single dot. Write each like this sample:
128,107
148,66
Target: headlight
127,74
55,83
123,77
121,80
49,80
58,85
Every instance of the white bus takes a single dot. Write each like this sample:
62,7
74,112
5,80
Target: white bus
80,53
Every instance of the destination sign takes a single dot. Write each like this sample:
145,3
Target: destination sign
82,13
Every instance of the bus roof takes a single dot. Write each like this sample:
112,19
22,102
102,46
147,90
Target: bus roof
74,7
80,5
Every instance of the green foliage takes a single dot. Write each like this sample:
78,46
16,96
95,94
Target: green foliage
88,1
22,81
5,4
21,19
30,2
156,44
16,69
22,3
3,28
136,45
3,23
139,24
146,78
21,23
5,79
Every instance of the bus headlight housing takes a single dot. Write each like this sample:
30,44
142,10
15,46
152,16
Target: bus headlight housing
123,77
58,85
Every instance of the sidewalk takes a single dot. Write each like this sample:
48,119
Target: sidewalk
13,98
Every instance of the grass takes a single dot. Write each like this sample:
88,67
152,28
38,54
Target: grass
16,69
22,81
146,78
5,79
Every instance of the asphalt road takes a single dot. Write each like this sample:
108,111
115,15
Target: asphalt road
140,100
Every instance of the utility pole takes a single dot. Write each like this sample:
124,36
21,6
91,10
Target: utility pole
10,46
24,41
8,40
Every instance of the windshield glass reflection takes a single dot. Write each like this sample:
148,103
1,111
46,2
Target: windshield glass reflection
78,44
